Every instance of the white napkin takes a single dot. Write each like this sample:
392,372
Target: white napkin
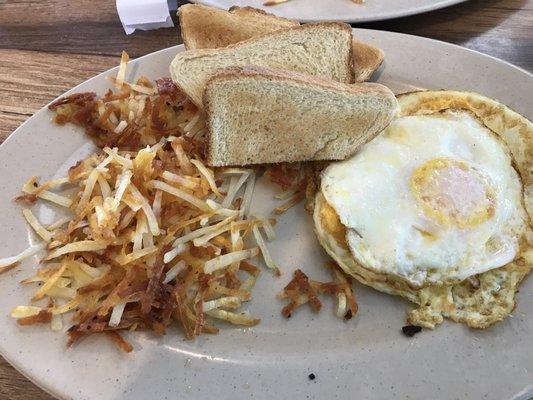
145,14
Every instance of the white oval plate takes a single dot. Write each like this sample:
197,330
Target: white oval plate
364,358
339,10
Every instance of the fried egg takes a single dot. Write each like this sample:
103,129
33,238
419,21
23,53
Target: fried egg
482,299
433,200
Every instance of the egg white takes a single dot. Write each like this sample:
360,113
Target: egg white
386,223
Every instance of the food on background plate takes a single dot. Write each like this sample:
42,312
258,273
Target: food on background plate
260,115
433,209
275,2
204,27
322,50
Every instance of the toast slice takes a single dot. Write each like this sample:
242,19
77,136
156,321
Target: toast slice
367,59
322,49
259,115
204,27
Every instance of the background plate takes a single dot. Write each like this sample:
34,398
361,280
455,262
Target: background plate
364,358
339,10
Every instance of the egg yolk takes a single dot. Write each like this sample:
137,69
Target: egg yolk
453,193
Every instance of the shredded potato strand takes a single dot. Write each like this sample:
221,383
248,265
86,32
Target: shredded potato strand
84,245
36,225
264,251
50,282
227,259
48,195
207,174
195,201
121,74
10,262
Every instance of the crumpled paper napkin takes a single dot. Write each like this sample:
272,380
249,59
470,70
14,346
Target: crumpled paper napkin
145,14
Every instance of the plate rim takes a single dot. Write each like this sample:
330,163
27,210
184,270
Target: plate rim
58,392
383,17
